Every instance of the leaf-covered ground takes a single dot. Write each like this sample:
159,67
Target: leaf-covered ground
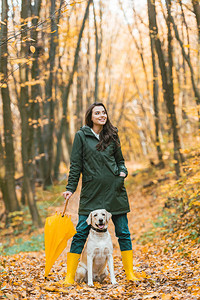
166,255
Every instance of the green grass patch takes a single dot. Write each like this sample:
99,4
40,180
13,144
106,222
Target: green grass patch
35,243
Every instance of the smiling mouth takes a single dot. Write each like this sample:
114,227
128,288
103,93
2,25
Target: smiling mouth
100,226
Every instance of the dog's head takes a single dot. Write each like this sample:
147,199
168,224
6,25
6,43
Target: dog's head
99,219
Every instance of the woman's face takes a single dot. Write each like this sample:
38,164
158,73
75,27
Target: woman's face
99,116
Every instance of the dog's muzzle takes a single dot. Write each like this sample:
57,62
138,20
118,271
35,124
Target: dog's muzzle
101,228
101,224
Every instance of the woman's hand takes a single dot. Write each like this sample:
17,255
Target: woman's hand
67,195
122,174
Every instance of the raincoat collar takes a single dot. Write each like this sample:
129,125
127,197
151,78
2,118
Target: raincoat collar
87,131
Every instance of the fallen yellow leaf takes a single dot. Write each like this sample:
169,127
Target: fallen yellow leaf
32,49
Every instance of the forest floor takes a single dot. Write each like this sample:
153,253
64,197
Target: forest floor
166,260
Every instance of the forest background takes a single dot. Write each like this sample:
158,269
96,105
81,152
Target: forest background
139,58
142,60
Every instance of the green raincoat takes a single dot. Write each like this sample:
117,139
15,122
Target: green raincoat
102,187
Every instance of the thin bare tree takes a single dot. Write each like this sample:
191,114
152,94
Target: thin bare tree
11,201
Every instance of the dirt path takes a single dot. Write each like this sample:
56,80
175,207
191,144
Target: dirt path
164,274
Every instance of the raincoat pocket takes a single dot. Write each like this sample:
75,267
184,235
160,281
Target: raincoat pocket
119,183
87,183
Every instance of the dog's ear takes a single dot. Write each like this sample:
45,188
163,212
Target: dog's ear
89,219
108,216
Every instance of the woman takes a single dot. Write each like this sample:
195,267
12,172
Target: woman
96,153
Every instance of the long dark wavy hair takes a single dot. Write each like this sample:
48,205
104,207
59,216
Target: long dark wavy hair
109,132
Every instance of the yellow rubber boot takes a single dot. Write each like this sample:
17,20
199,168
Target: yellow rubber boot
127,260
72,264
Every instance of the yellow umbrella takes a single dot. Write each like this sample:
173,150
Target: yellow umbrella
57,231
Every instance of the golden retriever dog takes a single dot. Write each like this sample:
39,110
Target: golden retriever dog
98,252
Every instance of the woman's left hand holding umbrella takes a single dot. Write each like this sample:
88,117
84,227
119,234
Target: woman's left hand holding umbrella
66,195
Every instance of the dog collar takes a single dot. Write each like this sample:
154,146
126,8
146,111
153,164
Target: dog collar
98,230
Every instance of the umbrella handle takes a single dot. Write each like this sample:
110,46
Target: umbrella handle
65,207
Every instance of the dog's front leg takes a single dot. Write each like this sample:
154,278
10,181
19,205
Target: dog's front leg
111,269
89,269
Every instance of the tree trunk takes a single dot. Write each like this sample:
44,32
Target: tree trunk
196,7
3,183
23,99
11,200
187,58
155,95
27,115
170,100
49,98
79,96
67,91
167,88
87,86
97,57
